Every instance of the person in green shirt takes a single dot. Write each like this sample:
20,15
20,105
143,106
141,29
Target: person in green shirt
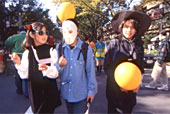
13,43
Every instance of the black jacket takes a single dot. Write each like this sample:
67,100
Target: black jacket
119,51
43,91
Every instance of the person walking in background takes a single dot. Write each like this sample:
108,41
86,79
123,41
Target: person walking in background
159,69
128,46
99,52
78,79
86,40
51,41
7,61
38,66
13,44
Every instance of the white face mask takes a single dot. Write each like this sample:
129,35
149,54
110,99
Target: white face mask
69,31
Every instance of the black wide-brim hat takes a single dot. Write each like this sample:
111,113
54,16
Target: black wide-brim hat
143,20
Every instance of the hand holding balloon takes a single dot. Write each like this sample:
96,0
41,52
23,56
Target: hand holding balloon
136,90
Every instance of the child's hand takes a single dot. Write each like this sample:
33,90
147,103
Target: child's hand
136,90
15,58
62,61
123,90
42,67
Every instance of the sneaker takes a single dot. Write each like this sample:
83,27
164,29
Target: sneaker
163,88
150,86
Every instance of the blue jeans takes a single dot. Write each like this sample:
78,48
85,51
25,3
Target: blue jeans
76,107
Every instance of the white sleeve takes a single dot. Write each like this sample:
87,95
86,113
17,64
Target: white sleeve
23,67
52,71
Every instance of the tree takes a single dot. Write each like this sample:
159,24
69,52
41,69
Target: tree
31,11
3,13
159,15
94,15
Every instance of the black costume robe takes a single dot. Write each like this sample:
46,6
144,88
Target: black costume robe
119,51
43,91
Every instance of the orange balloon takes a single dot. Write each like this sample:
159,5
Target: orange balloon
128,76
66,11
92,45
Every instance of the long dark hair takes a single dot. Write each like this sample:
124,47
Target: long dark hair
28,42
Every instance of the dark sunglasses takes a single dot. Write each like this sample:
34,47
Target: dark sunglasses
42,32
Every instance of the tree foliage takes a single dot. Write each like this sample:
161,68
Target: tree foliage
31,11
94,15
143,3
160,17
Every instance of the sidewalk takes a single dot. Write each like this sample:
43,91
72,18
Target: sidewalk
148,101
10,101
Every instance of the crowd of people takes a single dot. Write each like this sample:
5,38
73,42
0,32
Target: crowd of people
39,64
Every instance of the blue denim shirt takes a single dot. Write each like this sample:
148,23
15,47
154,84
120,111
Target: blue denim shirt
75,84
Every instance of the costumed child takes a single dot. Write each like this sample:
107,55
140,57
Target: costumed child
38,66
99,52
127,46
78,79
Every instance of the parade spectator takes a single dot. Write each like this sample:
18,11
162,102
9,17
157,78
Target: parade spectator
156,43
7,61
38,66
13,44
78,79
128,46
51,41
159,69
99,51
87,40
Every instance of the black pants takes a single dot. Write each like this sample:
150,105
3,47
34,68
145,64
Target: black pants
18,80
46,109
8,70
113,109
119,109
20,83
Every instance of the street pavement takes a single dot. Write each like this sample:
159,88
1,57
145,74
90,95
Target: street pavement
148,101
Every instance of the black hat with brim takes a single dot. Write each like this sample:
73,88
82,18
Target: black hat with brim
143,20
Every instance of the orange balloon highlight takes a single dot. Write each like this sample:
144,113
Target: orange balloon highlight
128,76
92,45
66,11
